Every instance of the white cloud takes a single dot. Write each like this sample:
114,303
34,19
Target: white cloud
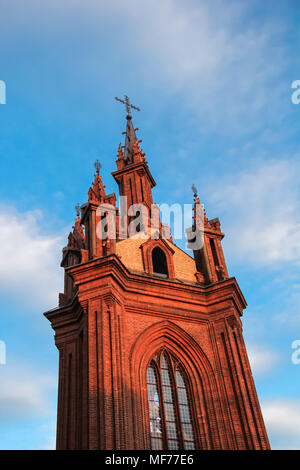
218,57
25,393
282,419
290,315
290,318
228,68
262,360
260,212
29,262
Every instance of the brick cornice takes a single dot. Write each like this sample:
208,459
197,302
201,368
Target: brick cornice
87,275
135,167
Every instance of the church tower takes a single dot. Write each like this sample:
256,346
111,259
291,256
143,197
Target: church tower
151,350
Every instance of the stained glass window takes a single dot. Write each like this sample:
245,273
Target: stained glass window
171,424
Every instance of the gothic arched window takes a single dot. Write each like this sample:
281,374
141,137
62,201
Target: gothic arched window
170,413
159,261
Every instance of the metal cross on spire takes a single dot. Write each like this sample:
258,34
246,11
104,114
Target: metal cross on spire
127,104
77,209
97,165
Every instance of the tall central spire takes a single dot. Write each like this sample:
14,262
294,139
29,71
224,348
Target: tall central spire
133,176
130,134
130,139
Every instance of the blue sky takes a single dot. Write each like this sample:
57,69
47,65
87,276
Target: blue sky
213,81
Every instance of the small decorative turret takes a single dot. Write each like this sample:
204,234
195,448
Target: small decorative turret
208,252
138,155
72,255
97,192
78,232
120,159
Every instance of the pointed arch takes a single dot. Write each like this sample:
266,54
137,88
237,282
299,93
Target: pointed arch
172,421
198,372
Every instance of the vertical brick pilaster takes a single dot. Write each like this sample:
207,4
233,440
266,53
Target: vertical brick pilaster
257,424
60,400
93,381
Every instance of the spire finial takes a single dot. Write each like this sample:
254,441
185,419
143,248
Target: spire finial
128,105
97,165
195,191
130,131
77,209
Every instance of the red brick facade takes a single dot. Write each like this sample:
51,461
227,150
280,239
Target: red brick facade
116,314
